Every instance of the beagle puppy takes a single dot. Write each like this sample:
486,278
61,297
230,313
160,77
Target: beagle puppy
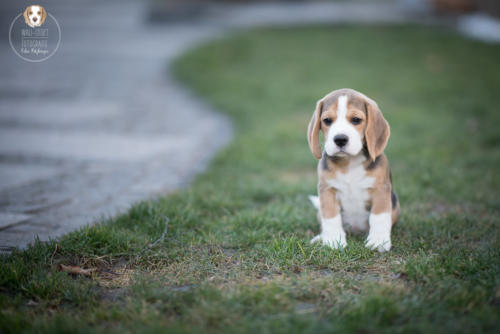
355,184
34,16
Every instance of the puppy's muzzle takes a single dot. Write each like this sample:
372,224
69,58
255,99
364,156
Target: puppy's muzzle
341,140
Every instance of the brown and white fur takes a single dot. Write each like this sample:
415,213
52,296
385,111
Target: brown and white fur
34,16
355,183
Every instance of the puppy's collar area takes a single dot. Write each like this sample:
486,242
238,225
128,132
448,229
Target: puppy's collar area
344,158
336,158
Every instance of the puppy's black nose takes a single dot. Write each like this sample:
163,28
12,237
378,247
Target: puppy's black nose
35,19
341,140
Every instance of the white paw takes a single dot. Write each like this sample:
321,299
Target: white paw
334,241
379,242
379,237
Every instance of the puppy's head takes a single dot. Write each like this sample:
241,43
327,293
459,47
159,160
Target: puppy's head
34,16
349,121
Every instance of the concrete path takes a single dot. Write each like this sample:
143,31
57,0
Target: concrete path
101,124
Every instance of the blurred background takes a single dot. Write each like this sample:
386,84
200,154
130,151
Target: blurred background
102,123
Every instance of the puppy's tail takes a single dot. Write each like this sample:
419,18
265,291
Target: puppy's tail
315,201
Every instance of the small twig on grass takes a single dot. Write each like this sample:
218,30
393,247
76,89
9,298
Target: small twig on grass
161,238
52,257
157,241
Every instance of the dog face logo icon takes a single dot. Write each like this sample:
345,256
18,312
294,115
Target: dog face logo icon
34,16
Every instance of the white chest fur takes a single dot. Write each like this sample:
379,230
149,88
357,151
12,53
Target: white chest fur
352,192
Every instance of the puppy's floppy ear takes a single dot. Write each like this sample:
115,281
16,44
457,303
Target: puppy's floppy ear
44,15
313,130
377,130
26,18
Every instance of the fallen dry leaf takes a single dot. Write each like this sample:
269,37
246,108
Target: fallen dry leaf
75,270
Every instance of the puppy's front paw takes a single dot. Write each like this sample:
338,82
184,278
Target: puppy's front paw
334,241
379,242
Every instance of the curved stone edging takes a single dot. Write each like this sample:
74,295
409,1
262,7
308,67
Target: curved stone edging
101,125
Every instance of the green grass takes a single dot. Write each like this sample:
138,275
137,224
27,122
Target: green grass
236,256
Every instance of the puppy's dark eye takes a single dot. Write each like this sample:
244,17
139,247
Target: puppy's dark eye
327,121
31,13
356,120
39,13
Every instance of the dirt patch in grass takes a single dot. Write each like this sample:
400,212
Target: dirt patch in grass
114,277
